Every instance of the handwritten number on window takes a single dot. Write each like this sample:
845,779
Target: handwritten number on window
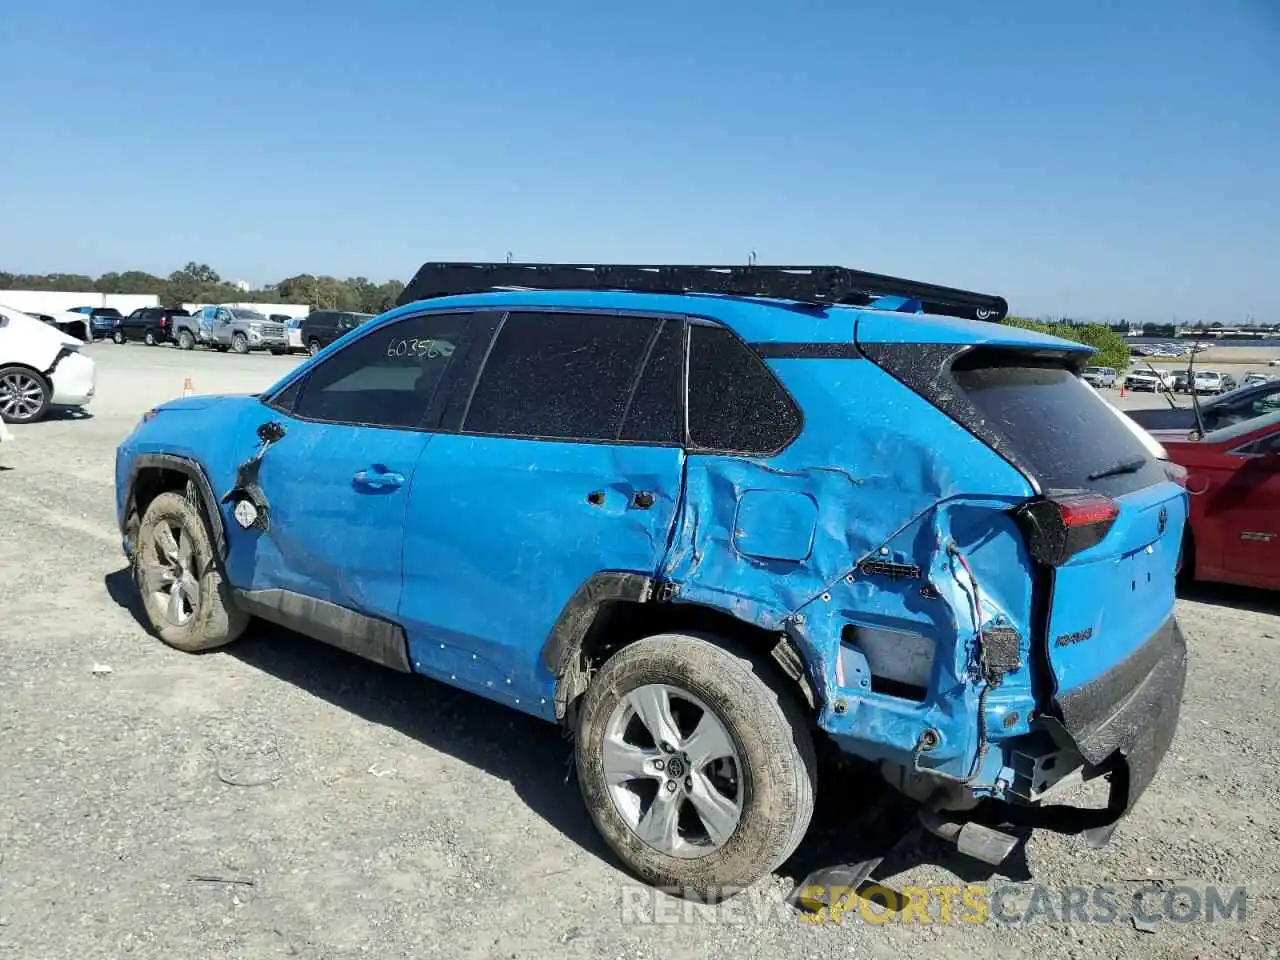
419,348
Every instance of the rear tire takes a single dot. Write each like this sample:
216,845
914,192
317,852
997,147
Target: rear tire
773,764
24,395
185,340
313,347
175,555
149,339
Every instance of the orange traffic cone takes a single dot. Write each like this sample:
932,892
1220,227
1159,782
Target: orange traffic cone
1121,387
187,389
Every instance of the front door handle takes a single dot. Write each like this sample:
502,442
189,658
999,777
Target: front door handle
379,479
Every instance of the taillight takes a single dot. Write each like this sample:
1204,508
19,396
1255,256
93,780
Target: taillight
1060,526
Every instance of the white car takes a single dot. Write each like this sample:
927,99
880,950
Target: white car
1099,376
1210,381
293,329
1148,380
39,366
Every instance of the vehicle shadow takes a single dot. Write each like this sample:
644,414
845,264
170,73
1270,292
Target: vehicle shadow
67,413
1250,599
857,815
531,755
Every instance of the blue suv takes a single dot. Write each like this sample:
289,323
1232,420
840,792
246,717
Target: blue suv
708,518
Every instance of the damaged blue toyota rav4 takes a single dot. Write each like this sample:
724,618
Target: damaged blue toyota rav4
707,518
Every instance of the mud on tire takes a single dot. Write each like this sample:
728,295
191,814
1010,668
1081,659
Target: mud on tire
767,728
174,553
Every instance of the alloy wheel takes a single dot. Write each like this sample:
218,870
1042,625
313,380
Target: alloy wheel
21,396
673,772
172,578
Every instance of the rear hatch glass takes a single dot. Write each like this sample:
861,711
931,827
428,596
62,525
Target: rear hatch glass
1062,430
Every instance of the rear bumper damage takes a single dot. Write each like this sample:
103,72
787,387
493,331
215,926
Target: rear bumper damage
1123,721
1118,726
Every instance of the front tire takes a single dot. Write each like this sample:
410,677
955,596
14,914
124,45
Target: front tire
240,343
313,348
117,336
24,395
741,795
185,597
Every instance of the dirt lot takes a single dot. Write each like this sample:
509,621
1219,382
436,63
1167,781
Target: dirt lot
284,799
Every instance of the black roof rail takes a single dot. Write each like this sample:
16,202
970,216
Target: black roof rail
821,285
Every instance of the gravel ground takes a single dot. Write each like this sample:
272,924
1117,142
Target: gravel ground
280,798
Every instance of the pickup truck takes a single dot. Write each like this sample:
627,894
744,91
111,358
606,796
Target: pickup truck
230,328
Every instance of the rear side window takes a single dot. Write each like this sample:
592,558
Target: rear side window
559,376
1063,432
736,404
387,378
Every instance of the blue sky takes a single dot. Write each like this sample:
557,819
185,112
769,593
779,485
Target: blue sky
1092,158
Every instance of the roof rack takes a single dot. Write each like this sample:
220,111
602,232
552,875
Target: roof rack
819,285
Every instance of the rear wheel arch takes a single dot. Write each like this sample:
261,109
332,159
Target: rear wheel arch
612,610
157,473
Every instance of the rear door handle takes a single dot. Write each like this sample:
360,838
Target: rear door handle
379,479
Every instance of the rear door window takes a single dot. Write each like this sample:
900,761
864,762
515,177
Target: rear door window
655,413
560,376
1062,431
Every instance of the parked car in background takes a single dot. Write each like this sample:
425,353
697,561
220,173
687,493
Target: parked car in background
1233,476
1243,403
293,330
71,323
1251,378
321,327
1100,376
102,320
40,366
232,328
701,532
1149,380
151,325
1212,382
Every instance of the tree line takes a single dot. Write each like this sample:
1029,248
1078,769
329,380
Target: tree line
200,283
1111,346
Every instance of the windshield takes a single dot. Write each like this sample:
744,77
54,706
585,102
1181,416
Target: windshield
247,314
